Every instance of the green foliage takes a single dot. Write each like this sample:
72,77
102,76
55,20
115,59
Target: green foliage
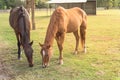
108,3
41,4
14,3
2,4
119,4
6,4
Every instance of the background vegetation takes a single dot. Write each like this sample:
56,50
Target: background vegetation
6,4
101,62
108,3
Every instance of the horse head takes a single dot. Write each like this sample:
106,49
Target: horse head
46,52
29,53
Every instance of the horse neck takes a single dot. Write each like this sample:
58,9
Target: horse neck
52,29
50,35
25,38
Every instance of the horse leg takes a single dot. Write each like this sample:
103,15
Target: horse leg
60,40
77,41
83,37
18,44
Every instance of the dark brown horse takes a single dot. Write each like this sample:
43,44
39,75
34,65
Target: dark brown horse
64,21
20,22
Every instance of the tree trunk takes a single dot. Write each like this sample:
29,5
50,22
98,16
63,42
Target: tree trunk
33,15
30,4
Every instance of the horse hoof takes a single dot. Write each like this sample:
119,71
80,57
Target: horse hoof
75,52
44,66
84,51
30,65
61,62
19,58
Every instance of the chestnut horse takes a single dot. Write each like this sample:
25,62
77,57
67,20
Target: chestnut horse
20,22
64,21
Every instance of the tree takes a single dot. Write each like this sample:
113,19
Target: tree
100,3
119,5
41,4
30,4
113,2
7,4
108,3
33,15
2,4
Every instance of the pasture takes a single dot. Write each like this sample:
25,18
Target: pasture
101,62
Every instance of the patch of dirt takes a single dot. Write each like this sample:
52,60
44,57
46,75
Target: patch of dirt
100,73
112,51
101,38
5,72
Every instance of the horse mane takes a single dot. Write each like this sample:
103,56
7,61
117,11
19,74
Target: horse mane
53,26
23,15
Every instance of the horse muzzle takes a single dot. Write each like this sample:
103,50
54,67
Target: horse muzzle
31,65
45,65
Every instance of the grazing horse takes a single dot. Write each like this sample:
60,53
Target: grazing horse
64,21
20,22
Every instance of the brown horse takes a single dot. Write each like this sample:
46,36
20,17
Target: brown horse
20,22
64,21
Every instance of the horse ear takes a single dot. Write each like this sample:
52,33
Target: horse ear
31,43
41,45
21,7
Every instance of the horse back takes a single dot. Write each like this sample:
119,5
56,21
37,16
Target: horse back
69,19
77,18
14,19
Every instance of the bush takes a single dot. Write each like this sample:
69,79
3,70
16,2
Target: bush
7,4
41,4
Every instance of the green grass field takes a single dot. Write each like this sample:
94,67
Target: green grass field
102,61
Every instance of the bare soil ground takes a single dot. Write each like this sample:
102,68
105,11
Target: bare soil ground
5,72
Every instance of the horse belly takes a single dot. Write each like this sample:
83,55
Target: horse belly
74,22
73,26
72,29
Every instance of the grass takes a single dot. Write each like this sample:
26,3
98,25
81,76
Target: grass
102,61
